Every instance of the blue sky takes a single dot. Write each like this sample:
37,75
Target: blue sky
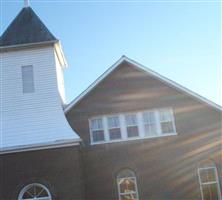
178,39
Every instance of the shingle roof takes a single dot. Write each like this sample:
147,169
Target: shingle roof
26,28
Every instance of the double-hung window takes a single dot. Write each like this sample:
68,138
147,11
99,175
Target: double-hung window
150,124
131,125
97,130
134,125
114,127
166,121
209,184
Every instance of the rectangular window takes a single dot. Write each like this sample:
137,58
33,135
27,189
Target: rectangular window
114,127
136,125
150,126
132,125
166,121
97,130
27,79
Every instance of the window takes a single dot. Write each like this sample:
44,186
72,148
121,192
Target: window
97,130
131,124
149,121
166,121
35,191
127,185
27,79
137,125
209,184
114,127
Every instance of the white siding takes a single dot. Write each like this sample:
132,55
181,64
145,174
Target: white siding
31,118
60,79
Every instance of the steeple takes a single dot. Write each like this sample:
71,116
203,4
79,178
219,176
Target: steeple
25,29
26,3
32,64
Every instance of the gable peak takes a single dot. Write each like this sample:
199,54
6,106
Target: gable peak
27,28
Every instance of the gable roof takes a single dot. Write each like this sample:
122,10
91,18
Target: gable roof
26,28
150,72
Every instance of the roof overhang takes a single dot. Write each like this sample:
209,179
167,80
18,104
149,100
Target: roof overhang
56,43
150,72
25,46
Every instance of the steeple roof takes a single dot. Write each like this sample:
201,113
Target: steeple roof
26,28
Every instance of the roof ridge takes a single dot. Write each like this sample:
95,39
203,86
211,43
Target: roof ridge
155,74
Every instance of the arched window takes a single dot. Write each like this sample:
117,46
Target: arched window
209,183
127,185
35,191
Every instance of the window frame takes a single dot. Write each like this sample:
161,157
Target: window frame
25,81
209,183
126,125
123,126
173,120
155,112
129,177
25,188
91,131
119,127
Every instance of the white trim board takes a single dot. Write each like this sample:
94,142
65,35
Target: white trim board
149,71
40,146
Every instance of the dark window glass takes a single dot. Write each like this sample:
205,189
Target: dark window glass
98,135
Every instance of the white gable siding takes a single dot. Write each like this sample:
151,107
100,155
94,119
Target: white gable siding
31,118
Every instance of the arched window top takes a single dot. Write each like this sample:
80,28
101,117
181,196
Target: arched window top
127,185
207,163
35,191
126,173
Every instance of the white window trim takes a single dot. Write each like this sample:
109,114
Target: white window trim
135,125
108,128
136,192
173,120
91,131
123,126
24,189
209,183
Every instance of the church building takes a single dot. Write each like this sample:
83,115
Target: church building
133,134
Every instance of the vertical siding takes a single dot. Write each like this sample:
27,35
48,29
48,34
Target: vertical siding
31,118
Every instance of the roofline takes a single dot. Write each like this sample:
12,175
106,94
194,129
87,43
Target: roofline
19,46
151,72
58,49
40,146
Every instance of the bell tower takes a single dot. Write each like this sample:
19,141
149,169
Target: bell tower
32,89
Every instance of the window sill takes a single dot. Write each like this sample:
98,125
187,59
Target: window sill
134,138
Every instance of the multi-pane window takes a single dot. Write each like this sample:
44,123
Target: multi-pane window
150,126
209,184
28,79
166,121
132,125
142,124
35,191
114,127
97,130
127,185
